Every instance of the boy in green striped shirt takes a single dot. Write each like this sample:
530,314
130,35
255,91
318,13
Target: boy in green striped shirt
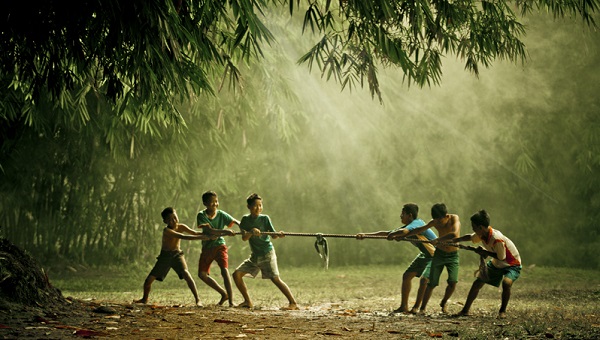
213,222
263,257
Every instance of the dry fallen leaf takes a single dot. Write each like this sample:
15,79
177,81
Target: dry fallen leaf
225,321
86,333
435,335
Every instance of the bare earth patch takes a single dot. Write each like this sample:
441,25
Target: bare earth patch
543,307
102,319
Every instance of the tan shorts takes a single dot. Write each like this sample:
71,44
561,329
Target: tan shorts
266,264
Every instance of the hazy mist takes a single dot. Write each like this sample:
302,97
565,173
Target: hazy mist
520,141
468,142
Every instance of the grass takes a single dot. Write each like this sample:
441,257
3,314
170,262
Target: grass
545,302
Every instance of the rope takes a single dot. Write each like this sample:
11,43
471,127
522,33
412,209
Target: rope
277,233
323,248
321,242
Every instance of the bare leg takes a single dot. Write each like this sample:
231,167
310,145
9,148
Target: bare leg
227,283
473,292
506,287
286,291
447,294
426,297
147,287
420,293
406,286
192,285
213,284
238,278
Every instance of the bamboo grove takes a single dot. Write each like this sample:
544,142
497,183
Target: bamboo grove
156,102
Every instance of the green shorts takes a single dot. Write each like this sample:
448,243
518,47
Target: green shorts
266,264
440,260
420,265
495,275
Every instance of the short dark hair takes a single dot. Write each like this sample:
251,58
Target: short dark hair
481,218
167,212
411,209
439,210
207,195
250,199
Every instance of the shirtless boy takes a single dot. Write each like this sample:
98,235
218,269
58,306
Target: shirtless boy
171,255
448,227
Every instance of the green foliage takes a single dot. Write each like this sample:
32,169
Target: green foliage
137,59
84,178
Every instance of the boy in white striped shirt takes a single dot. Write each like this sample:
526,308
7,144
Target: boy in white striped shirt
504,267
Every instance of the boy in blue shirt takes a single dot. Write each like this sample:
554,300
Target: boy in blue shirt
445,256
263,257
213,222
421,264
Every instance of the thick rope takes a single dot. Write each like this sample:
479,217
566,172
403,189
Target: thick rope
323,249
285,233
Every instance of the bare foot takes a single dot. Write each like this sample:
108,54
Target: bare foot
415,310
245,304
399,310
502,315
462,313
144,301
199,304
223,299
444,308
292,306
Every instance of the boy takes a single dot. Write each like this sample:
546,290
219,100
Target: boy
504,267
213,222
171,255
448,227
263,255
420,266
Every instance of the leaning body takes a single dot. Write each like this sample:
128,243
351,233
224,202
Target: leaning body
508,261
263,257
445,256
215,249
171,255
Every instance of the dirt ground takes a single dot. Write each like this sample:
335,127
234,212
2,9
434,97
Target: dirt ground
31,308
101,319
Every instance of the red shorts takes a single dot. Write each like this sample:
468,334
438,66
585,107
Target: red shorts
218,254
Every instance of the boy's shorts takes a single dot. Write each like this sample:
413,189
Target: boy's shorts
218,253
440,260
495,275
167,260
420,265
266,264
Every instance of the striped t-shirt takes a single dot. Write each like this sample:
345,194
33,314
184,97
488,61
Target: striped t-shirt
505,249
